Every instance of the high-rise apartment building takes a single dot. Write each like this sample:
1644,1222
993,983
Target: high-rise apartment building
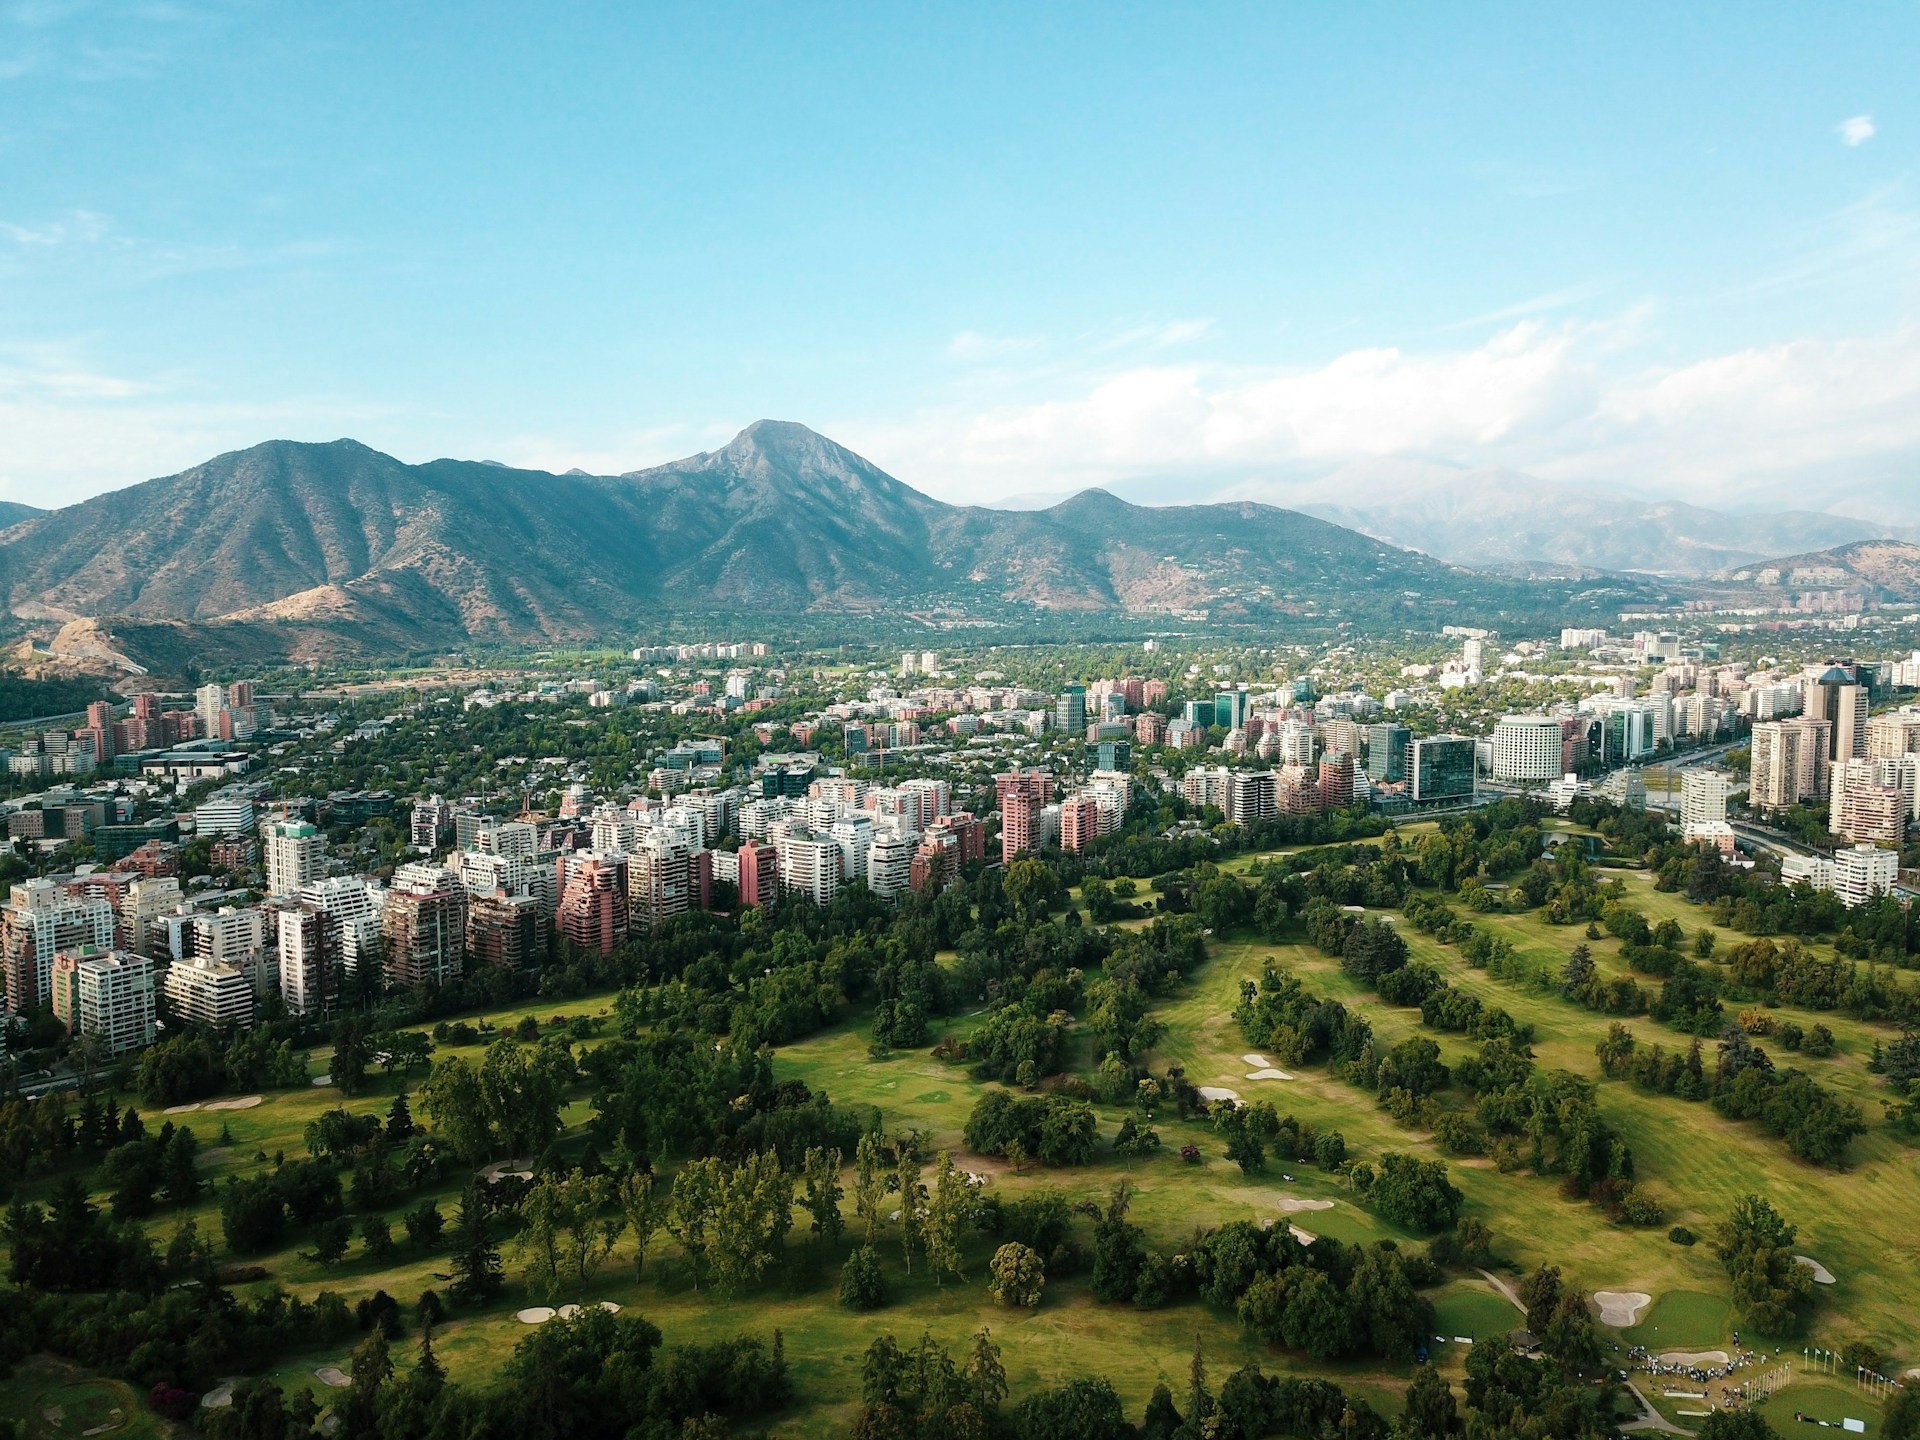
890,863
1022,795
483,873
1253,796
759,866
1703,802
506,932
41,920
296,854
352,908
1790,762
1079,822
107,994
593,908
1865,809
202,993
810,867
1337,780
1294,743
425,926
146,900
659,879
1857,875
430,825
1837,697
1894,735
309,976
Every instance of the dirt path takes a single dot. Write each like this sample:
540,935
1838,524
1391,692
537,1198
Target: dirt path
1505,1289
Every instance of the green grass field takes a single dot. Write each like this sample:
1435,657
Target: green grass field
51,1401
1862,1223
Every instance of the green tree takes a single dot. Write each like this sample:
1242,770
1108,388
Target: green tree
948,1207
645,1205
820,1196
862,1285
1017,1276
476,1271
1540,1294
869,1188
331,1237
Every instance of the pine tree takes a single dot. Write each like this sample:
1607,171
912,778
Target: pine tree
477,1274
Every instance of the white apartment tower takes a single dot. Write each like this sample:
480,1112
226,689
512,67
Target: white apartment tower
296,854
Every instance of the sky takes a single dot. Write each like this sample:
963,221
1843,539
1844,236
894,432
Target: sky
1184,251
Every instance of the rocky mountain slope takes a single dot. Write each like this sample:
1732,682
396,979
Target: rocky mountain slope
1886,569
340,541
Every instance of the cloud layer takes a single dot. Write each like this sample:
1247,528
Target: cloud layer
1828,424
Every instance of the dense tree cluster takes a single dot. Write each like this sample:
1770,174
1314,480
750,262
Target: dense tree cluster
1053,1129
1817,1125
1771,1289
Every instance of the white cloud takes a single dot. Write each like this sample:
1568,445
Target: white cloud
970,347
1856,130
74,428
77,227
1810,424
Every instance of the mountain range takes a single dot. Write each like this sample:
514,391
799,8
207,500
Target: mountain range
308,548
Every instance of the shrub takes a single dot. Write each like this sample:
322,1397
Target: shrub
1680,1235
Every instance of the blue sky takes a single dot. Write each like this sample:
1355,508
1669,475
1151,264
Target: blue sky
1183,251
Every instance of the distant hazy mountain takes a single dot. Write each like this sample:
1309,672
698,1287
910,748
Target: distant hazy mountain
12,512
352,546
1890,569
1503,520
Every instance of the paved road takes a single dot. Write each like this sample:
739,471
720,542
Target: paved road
1650,1418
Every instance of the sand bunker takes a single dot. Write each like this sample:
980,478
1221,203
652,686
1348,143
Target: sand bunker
332,1375
1305,1237
610,1306
535,1315
1268,1074
1821,1275
221,1396
181,1109
1218,1092
1259,1062
1293,1205
323,1079
1621,1308
567,1312
246,1102
499,1169
1694,1357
